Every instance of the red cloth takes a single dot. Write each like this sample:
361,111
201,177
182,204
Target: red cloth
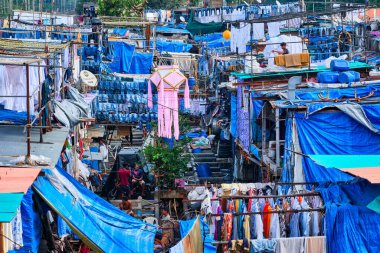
124,176
266,219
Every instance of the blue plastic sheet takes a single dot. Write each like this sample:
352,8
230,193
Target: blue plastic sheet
333,133
350,225
166,29
186,225
233,115
99,224
17,118
121,57
31,224
141,63
174,47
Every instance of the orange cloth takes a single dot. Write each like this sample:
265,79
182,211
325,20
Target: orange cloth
279,60
267,218
305,59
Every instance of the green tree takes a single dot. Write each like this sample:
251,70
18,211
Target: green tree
121,8
165,5
169,164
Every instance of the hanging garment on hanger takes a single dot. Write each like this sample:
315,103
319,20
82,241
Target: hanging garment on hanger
226,229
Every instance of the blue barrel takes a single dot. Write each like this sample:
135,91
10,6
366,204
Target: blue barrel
203,170
197,150
191,82
339,65
327,77
349,76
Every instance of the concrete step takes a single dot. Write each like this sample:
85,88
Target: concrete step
205,159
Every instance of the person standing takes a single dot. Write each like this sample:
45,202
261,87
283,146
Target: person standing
124,175
283,50
104,153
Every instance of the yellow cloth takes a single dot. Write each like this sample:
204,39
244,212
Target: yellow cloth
279,60
305,59
192,242
247,227
292,60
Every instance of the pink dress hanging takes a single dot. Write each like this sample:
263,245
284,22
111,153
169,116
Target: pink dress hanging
167,80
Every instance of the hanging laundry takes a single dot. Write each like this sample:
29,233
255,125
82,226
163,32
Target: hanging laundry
258,31
240,36
267,218
273,29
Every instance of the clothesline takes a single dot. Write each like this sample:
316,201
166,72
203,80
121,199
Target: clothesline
275,211
257,197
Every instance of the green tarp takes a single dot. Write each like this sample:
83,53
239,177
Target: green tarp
197,28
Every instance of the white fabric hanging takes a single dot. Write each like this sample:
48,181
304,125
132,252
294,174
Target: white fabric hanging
274,29
258,31
240,36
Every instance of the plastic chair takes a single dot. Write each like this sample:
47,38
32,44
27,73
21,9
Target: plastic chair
151,220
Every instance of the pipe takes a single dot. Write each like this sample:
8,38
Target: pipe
277,139
27,157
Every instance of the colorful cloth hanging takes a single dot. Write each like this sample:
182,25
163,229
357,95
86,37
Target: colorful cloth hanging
167,80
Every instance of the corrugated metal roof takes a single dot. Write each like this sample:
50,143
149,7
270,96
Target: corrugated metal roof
364,166
9,202
17,179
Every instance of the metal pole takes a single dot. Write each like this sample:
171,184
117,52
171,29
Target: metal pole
277,140
40,103
27,157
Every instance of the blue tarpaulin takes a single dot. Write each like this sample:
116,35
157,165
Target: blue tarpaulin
171,46
333,133
350,226
166,29
14,117
141,63
233,115
31,225
121,57
99,224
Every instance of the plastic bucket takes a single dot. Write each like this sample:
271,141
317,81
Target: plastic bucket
197,150
191,82
203,170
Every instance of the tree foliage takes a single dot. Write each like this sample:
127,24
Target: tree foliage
169,164
164,5
121,8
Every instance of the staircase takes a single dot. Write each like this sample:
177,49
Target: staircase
219,159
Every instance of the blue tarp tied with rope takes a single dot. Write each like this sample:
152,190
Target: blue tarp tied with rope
99,224
351,130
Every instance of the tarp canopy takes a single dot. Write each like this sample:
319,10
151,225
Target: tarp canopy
85,212
364,166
